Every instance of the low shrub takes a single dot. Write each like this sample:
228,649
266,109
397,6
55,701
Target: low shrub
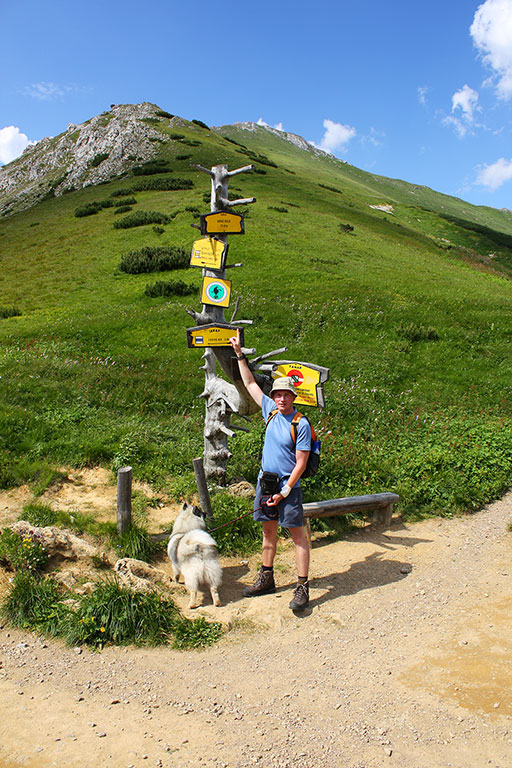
158,230
89,209
141,218
9,312
22,553
98,159
176,136
163,183
126,201
171,288
346,228
201,124
331,189
151,167
39,515
413,332
154,259
277,208
163,113
135,542
33,604
183,157
122,192
240,537
122,209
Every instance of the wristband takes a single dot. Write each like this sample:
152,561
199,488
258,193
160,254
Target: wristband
240,357
285,491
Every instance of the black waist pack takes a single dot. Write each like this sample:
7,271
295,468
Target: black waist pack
269,483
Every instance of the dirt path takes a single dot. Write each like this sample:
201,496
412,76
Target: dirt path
405,659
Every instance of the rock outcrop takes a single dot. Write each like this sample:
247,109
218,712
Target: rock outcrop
98,150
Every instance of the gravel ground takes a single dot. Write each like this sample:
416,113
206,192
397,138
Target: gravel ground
403,658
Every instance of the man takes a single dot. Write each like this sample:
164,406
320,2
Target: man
288,460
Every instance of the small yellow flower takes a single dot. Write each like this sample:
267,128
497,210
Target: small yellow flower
102,629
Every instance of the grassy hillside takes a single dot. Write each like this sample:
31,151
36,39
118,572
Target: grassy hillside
410,310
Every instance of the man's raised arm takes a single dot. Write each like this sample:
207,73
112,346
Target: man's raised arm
248,379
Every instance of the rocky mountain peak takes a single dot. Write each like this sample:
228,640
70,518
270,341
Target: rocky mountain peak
94,151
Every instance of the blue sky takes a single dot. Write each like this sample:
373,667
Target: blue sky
417,91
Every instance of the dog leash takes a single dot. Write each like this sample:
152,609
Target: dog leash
236,519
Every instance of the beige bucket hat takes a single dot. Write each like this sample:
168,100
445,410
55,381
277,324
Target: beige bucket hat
284,382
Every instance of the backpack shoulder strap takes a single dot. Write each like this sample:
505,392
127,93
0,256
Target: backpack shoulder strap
294,426
270,416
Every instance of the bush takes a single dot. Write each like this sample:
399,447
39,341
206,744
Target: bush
39,515
135,542
183,157
240,537
171,288
163,113
89,209
9,312
413,332
154,259
164,183
141,218
176,136
122,209
151,167
201,124
22,553
277,208
114,614
98,159
127,201
346,227
122,192
33,604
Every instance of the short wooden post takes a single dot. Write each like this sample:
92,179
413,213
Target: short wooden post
124,499
202,488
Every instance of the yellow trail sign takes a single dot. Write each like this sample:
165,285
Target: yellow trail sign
212,335
222,223
307,380
209,253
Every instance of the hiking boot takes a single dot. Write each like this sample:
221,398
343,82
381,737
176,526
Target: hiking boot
300,597
264,584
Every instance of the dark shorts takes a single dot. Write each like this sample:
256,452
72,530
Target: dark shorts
288,513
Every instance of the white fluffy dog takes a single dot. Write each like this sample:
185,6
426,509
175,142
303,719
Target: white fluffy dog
193,553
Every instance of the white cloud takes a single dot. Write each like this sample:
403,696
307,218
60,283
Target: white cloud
464,106
495,175
467,101
491,31
46,91
336,136
277,126
457,124
422,93
12,143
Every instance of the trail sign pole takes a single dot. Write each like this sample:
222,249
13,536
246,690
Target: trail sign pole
224,398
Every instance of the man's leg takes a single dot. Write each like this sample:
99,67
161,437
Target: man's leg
264,583
301,594
269,546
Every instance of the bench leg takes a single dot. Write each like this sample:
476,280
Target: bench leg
383,516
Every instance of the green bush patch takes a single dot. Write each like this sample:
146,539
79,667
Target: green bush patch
154,259
141,218
170,288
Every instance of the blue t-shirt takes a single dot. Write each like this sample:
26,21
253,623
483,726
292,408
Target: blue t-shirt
279,449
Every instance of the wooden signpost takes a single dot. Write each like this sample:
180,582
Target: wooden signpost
226,397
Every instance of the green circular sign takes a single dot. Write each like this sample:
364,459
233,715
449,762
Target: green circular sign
216,292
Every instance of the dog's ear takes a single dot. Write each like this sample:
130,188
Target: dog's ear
185,505
198,512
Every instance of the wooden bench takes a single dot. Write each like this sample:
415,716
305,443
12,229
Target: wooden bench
380,503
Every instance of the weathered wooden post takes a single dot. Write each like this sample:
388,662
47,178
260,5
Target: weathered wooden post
212,333
222,397
124,499
204,496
